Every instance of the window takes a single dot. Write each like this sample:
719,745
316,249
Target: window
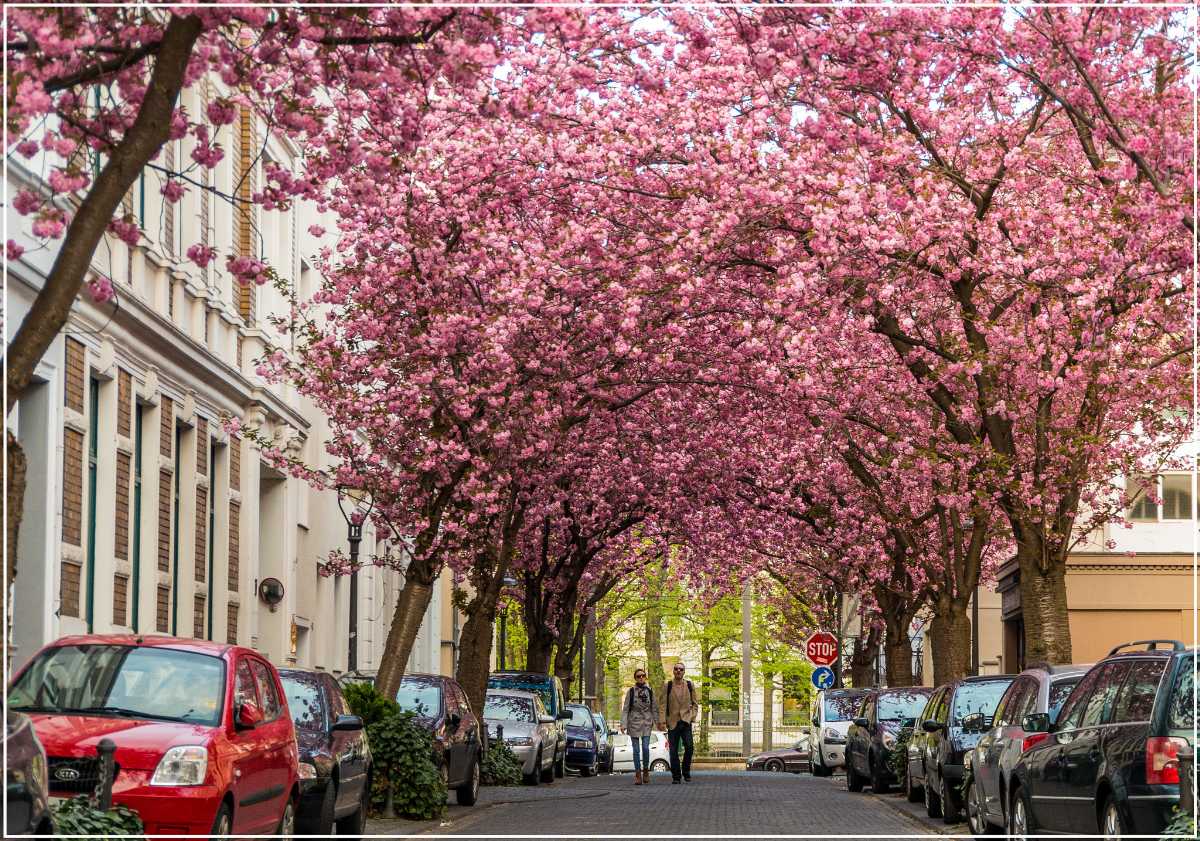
266,690
580,716
841,707
1060,690
1177,496
244,685
1099,706
1138,490
978,698
723,696
1072,710
1136,698
304,701
1010,705
1182,712
421,697
508,708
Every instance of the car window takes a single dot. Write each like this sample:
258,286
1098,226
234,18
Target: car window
1007,705
943,708
337,702
461,700
266,690
538,707
303,693
841,707
541,686
580,716
507,708
1072,710
243,689
1100,705
1060,690
896,706
978,697
1181,713
421,697
1135,700
601,727
930,711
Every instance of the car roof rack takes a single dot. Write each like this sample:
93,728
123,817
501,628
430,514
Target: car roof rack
1152,645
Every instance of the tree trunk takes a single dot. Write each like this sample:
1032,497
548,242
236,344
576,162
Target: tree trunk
601,684
950,640
898,656
1044,605
14,493
125,162
539,649
768,718
862,662
475,652
655,675
411,604
705,707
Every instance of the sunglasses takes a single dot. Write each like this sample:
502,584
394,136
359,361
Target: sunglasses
635,677
679,669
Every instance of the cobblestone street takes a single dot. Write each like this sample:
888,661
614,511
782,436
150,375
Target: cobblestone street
714,803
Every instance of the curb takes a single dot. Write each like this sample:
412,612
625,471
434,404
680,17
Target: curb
938,828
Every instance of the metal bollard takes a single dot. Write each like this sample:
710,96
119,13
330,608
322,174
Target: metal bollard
105,749
1187,779
499,734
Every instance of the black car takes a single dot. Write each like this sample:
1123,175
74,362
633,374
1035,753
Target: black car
872,735
28,799
989,766
951,724
1110,763
335,760
555,700
442,707
604,739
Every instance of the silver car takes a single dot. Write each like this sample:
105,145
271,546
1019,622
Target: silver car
529,730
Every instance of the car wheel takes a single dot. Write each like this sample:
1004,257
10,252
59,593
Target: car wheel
1020,820
321,822
531,779
951,813
773,765
976,815
879,783
287,823
660,765
560,767
546,775
1112,825
355,823
853,781
223,822
468,792
933,803
911,792
819,768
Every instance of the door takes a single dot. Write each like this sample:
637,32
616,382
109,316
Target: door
277,736
920,739
1006,725
349,751
1082,756
858,738
250,771
1125,739
1049,789
456,733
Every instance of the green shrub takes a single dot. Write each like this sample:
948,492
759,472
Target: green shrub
405,781
1182,825
898,758
78,816
369,704
500,766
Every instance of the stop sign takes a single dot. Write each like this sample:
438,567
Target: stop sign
821,649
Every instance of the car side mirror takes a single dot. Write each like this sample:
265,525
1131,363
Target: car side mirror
931,726
861,722
973,723
563,715
348,722
248,716
1036,723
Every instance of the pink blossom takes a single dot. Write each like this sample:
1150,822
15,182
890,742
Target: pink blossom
201,255
101,289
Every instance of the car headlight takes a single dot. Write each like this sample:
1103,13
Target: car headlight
308,771
185,765
580,743
889,740
832,736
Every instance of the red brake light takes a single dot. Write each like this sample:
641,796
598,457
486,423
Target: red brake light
1162,760
1033,739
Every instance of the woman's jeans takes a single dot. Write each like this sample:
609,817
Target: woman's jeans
641,752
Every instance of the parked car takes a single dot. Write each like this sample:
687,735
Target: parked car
442,708
990,764
529,730
660,755
951,724
550,688
1110,764
335,759
204,741
796,758
604,740
872,735
831,714
583,749
28,800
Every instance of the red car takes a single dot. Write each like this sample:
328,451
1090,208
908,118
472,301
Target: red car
204,741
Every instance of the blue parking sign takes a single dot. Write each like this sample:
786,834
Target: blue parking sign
822,678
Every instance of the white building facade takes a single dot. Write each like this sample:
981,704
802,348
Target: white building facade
141,513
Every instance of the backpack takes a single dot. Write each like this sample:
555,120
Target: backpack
629,698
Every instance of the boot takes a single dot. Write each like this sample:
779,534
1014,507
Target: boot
637,778
646,777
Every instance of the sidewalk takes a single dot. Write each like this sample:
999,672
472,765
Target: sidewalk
916,811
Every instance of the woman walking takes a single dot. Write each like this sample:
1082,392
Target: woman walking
638,714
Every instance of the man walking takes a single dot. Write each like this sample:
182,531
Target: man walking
677,710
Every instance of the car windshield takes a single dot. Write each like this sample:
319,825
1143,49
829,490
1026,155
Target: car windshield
600,725
424,699
508,708
540,686
1060,690
841,707
304,701
580,716
1182,711
123,680
895,706
979,697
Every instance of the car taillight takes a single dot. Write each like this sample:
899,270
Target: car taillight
1033,739
1162,760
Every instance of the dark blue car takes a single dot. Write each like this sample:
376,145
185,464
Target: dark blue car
582,749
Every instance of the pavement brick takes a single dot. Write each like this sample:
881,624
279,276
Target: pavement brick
714,803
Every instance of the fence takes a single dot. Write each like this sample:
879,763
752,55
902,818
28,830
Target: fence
726,742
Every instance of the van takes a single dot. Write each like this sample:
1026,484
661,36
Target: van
550,689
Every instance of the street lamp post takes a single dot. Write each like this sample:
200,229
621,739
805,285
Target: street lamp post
509,581
969,525
351,504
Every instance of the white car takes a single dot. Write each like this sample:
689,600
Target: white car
660,757
832,714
